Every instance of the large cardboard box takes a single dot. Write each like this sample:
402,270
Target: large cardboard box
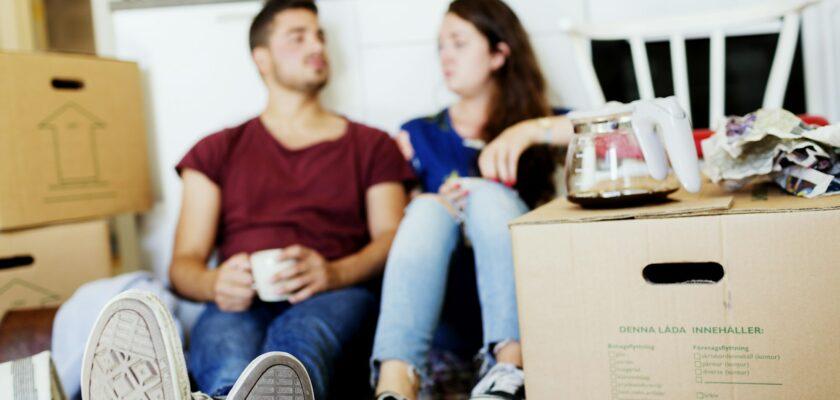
709,297
72,139
44,266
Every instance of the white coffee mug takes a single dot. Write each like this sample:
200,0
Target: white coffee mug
264,265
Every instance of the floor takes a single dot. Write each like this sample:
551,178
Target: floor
25,333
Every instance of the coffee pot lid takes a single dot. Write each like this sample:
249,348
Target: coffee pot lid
609,112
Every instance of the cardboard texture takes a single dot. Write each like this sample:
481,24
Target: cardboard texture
44,266
710,201
680,203
594,326
72,139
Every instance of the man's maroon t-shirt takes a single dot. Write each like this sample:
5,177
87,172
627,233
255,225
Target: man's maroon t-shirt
274,197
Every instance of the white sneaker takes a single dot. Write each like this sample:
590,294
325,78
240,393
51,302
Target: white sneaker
273,375
503,381
134,352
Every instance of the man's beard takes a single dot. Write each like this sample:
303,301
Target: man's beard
313,87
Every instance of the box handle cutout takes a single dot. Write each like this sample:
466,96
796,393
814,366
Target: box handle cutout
67,84
16,262
683,273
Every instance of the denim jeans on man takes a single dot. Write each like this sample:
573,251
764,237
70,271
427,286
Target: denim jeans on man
415,278
317,331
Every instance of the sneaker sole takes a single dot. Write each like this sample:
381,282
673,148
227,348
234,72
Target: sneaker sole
273,376
134,352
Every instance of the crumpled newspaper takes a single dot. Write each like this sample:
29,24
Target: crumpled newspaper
774,144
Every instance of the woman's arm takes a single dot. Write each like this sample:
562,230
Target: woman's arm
499,159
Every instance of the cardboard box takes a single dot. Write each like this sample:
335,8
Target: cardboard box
709,297
70,27
72,139
44,266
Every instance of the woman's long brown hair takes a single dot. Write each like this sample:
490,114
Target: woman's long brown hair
520,94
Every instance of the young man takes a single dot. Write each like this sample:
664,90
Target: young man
329,191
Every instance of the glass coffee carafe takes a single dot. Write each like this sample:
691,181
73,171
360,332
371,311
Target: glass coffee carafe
617,156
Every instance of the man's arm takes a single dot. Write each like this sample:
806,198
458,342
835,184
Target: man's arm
194,237
229,285
385,206
313,274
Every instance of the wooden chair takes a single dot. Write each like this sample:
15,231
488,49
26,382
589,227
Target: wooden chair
774,16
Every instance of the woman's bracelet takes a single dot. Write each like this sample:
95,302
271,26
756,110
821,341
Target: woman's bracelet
546,126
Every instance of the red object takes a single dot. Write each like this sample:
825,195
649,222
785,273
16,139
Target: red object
813,119
702,134
699,136
624,145
274,197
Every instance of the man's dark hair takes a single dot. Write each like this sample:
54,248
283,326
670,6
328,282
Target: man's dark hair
261,26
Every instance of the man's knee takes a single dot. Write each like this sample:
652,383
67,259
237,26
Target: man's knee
298,325
338,314
212,318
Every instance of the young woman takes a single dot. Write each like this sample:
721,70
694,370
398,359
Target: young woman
488,61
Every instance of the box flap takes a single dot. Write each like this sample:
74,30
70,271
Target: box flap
769,198
712,200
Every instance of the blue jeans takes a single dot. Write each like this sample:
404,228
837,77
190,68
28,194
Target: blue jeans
316,331
415,278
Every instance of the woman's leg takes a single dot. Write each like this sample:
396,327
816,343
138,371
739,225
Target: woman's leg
490,207
413,291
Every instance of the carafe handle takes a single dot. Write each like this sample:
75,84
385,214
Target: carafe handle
672,121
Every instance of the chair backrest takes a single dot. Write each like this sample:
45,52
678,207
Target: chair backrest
779,16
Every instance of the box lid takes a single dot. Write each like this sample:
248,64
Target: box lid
711,200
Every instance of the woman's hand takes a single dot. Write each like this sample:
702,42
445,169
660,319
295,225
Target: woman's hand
454,195
499,159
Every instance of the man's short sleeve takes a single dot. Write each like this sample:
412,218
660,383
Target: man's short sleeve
385,163
207,156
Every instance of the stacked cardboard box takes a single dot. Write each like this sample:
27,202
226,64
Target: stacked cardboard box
713,296
72,148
